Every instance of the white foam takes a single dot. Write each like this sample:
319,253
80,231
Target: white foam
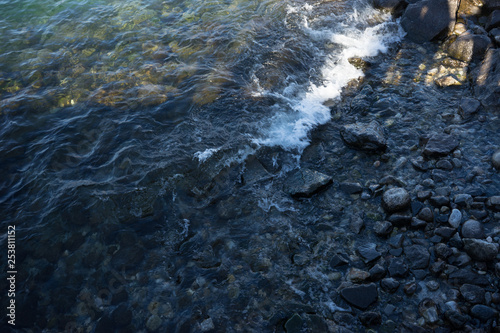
202,156
290,129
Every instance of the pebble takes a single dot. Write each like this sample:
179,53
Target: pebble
440,145
153,323
382,228
473,229
472,294
455,218
360,296
480,250
417,256
395,199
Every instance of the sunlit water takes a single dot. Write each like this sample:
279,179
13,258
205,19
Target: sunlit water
113,112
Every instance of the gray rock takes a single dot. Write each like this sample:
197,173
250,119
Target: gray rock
493,20
468,47
426,214
495,160
389,284
427,19
455,218
463,200
377,272
364,136
480,249
483,312
468,107
442,250
351,188
418,256
494,202
473,229
448,80
472,294
397,267
395,199
306,182
440,145
465,275
361,296
368,252
382,228
486,78
495,34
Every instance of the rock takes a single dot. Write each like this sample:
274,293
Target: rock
370,318
468,107
448,80
377,272
351,188
455,218
442,250
382,228
480,249
495,35
418,256
338,260
445,232
473,229
468,47
418,223
395,199
432,285
390,285
426,214
364,136
444,165
463,200
440,145
356,224
207,325
427,308
486,78
368,252
428,19
397,267
361,296
493,20
494,202
357,275
294,324
472,294
456,319
122,316
306,182
483,312
439,201
495,160
153,323
359,63
400,220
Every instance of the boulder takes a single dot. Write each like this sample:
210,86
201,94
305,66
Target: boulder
428,19
306,182
468,47
364,136
486,78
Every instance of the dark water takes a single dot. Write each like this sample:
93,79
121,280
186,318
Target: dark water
133,125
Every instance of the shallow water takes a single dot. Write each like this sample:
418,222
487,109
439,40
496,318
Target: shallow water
145,115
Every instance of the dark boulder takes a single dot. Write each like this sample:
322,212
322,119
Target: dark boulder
361,296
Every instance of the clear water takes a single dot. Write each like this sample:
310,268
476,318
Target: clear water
127,114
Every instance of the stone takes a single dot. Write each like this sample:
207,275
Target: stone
356,275
456,319
395,199
207,325
370,318
455,218
442,250
463,200
445,232
122,316
493,202
432,285
361,296
493,20
486,78
428,19
483,312
468,47
426,214
427,308
418,223
444,165
377,272
495,160
351,188
389,285
306,182
473,229
472,294
294,324
440,145
418,256
448,80
338,260
368,252
153,323
468,107
399,220
356,224
480,249
369,137
382,228
397,267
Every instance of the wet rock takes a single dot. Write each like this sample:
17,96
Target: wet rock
442,250
389,285
468,47
463,200
445,232
383,228
359,63
426,214
306,182
427,308
357,275
351,188
370,318
377,272
493,20
356,224
207,325
368,252
456,319
455,218
480,250
493,202
486,78
395,199
418,223
468,107
122,316
483,312
338,260
448,80
495,160
440,145
473,229
428,19
361,296
439,201
418,256
472,294
364,136
397,267
400,220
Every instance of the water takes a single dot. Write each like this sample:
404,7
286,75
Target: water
145,116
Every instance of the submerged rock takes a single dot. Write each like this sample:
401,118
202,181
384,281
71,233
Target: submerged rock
427,19
364,136
360,296
306,182
473,229
440,145
468,107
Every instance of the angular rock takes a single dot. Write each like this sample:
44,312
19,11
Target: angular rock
395,199
473,229
448,80
306,182
468,47
377,272
472,294
397,267
364,136
493,20
382,228
426,214
445,232
370,318
361,296
368,252
390,285
418,256
427,19
468,107
442,250
351,188
480,249
357,275
463,200
440,145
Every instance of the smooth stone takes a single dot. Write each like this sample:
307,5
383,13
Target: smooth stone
455,218
361,296
426,214
473,229
364,136
382,228
306,182
480,249
397,267
483,312
440,145
368,252
395,199
472,294
463,200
